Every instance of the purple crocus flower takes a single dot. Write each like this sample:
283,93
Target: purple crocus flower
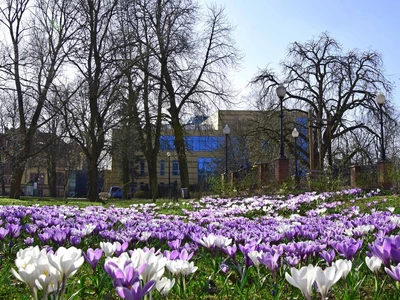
120,248
184,255
59,237
174,245
269,260
395,249
394,272
329,256
381,249
136,291
171,255
292,260
29,241
3,233
93,257
14,230
44,237
224,268
231,251
75,240
348,248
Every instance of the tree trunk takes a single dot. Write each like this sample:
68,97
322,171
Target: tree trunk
125,172
152,168
52,182
92,180
18,172
180,150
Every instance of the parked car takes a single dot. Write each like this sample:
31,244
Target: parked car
115,192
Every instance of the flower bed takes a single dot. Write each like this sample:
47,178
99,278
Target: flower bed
270,247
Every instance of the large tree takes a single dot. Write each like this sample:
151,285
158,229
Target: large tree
195,53
91,110
336,85
37,43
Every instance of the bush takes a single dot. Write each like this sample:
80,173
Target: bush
140,194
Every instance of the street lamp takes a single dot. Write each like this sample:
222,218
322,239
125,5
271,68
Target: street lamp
380,100
169,174
226,131
281,92
295,135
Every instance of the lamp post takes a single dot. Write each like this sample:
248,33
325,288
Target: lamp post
281,92
380,100
226,131
169,174
295,135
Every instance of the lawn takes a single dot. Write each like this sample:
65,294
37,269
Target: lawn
344,245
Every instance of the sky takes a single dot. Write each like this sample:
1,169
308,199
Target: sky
266,28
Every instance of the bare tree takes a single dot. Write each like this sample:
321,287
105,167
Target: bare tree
336,85
90,112
193,63
36,47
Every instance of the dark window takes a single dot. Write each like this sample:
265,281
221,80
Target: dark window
162,167
175,168
60,178
142,168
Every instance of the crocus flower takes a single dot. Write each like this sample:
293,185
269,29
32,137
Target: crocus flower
394,272
66,260
120,248
302,279
93,257
136,291
164,285
253,255
373,263
326,279
344,266
3,233
108,248
381,249
27,274
207,241
181,267
269,260
329,256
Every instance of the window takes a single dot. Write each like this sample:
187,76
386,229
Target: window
175,168
35,177
142,168
206,166
193,143
60,178
162,167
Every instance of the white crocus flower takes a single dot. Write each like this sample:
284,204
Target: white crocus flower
180,266
108,248
207,241
302,279
155,267
373,263
326,279
164,285
48,276
67,261
222,242
27,274
253,255
391,209
344,265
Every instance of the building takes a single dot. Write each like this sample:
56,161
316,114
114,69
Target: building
65,157
206,149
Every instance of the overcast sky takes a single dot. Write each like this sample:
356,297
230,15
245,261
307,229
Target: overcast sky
265,28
